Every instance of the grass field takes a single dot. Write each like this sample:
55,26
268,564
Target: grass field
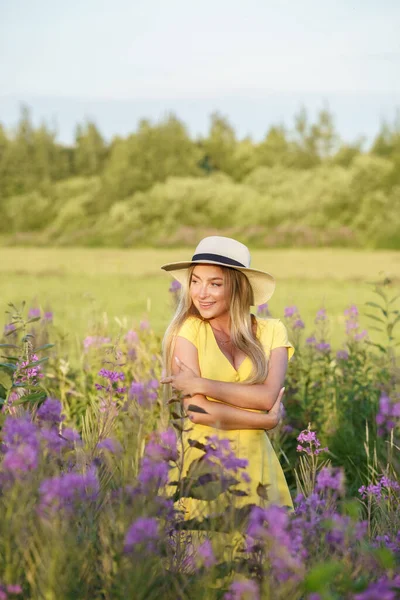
83,286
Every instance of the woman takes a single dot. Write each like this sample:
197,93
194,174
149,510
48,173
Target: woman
229,365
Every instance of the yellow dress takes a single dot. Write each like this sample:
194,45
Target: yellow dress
253,445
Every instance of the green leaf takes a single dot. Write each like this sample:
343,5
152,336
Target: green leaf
5,380
385,557
321,576
9,346
33,320
374,304
8,366
30,398
375,318
45,347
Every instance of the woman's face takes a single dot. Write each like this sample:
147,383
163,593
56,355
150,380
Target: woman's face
208,291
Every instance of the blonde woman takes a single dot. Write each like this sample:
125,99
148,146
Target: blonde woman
229,365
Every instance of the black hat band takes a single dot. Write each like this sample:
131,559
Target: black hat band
217,258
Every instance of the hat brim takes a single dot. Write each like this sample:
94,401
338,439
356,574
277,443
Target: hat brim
262,283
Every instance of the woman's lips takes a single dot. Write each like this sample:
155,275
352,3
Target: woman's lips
206,304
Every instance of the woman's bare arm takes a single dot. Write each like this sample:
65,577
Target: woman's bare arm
223,416
257,396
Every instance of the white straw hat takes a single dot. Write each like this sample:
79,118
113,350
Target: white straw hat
226,252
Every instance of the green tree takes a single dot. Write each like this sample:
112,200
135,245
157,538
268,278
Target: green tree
90,150
153,154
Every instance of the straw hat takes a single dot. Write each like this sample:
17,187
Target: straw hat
226,252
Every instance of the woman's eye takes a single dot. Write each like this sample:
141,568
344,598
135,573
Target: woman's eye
216,284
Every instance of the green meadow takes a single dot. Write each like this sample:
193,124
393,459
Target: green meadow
86,287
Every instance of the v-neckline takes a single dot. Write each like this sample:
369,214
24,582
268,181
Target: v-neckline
224,355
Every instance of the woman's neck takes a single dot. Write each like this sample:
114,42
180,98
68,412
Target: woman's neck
222,324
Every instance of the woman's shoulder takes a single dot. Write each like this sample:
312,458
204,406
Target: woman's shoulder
268,324
190,327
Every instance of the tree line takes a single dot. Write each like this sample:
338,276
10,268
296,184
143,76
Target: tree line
158,185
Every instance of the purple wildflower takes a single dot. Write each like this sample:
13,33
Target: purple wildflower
33,313
206,554
219,450
298,324
321,315
112,376
144,325
388,415
48,316
384,589
290,311
342,355
131,337
50,411
21,458
68,491
243,590
323,347
28,375
351,311
110,445
330,478
143,393
263,310
311,341
265,528
175,286
314,445
144,532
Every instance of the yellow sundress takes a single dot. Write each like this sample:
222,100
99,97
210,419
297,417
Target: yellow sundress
253,445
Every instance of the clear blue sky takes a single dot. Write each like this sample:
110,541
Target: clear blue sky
255,60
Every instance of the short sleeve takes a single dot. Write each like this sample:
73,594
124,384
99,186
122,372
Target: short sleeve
280,338
190,330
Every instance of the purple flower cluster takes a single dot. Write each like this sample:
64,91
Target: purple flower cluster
21,444
68,491
321,316
388,416
95,341
33,313
330,478
243,590
9,590
175,286
144,393
314,445
381,490
292,313
161,448
263,310
143,534
205,556
50,412
112,385
384,589
273,531
342,355
352,324
219,451
28,375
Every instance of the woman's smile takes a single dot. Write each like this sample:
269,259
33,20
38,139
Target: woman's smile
208,291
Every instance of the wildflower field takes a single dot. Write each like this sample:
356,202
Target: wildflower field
88,507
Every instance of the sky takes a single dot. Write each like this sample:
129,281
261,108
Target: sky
257,62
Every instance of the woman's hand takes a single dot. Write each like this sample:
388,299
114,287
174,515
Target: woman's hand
185,380
277,410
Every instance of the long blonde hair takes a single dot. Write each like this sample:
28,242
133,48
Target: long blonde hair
242,322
